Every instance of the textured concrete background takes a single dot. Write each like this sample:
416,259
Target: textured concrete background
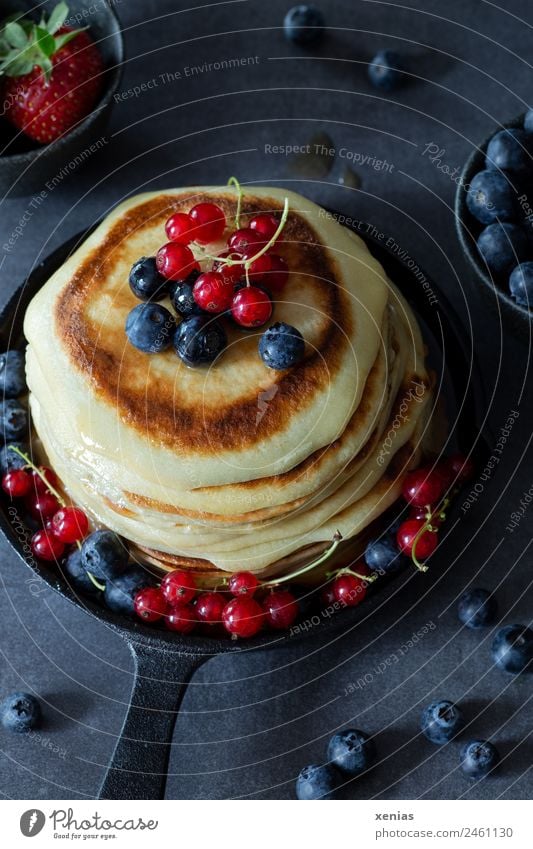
250,723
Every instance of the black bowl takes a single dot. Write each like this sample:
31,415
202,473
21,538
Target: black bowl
164,661
494,290
25,166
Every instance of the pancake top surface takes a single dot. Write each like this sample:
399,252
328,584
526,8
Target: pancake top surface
335,296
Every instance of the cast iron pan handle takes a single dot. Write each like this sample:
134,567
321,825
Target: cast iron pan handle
139,766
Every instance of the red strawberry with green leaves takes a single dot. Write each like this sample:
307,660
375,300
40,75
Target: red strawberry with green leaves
53,75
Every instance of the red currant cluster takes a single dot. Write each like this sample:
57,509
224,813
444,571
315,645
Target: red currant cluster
182,609
61,525
230,283
426,491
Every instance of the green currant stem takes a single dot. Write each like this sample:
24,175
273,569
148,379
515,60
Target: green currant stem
427,526
369,579
337,537
234,182
38,472
93,580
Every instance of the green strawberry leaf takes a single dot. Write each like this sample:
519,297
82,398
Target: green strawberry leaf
15,35
46,42
64,38
57,18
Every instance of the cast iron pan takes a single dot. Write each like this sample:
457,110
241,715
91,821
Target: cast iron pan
164,662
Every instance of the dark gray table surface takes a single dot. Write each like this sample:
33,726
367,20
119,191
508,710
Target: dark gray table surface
250,723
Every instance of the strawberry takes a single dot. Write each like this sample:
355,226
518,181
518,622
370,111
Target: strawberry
52,75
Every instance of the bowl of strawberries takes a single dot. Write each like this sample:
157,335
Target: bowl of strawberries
60,66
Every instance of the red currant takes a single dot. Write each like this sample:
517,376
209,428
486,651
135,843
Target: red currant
265,225
175,261
17,483
251,307
149,604
278,273
244,240
178,228
231,273
327,594
243,616
181,619
42,505
209,607
46,546
461,467
213,292
51,477
208,222
70,524
422,487
243,583
178,587
349,590
425,544
281,609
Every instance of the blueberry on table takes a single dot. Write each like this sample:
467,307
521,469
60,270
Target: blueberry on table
440,721
317,782
521,284
304,25
490,197
120,592
479,758
383,555
503,246
352,751
386,70
528,121
512,648
199,340
12,374
9,459
281,346
20,712
13,419
182,297
104,554
510,150
149,327
146,282
477,608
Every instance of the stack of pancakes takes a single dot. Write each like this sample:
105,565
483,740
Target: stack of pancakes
232,466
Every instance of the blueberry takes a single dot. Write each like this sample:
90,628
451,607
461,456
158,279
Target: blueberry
104,554
20,712
491,196
304,25
386,71
477,608
13,419
382,555
521,284
478,758
199,339
281,346
351,751
440,721
9,459
503,246
120,592
12,374
512,648
509,150
317,782
76,576
149,327
182,297
528,121
146,282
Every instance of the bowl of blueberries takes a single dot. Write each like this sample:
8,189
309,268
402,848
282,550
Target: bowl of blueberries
494,219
